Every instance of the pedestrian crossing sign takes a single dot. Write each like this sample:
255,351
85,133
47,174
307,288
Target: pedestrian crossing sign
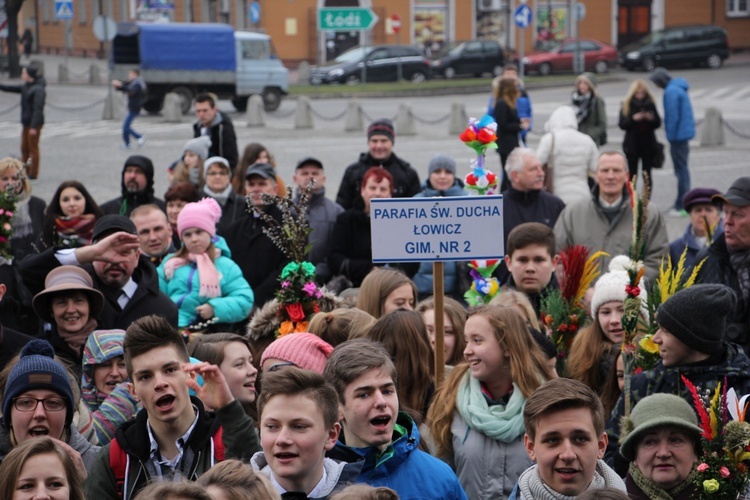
63,9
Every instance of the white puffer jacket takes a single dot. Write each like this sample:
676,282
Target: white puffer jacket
574,156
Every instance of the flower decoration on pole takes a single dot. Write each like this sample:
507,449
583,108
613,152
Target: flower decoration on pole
480,136
8,199
723,466
298,294
563,311
484,286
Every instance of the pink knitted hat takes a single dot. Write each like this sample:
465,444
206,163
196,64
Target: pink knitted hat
204,214
305,350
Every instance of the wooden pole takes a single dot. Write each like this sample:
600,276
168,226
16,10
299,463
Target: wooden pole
438,294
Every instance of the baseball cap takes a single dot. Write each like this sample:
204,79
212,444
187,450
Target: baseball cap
737,194
309,160
264,170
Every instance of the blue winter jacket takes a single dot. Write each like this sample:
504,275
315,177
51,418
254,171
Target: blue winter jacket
403,467
678,112
236,295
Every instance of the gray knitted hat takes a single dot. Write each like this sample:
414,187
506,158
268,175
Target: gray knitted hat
439,161
697,316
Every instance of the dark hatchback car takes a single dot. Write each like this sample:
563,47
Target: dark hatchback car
378,63
475,57
699,45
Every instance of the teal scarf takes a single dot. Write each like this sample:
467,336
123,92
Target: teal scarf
499,422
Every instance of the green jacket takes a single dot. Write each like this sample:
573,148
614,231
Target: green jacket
238,435
595,124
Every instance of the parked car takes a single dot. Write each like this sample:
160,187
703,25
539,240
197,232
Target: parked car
677,46
598,57
380,64
474,57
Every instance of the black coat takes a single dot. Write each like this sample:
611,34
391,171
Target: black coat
148,299
405,180
508,127
11,343
259,258
25,246
33,95
223,139
639,135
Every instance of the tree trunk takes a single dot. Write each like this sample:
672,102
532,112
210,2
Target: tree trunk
12,8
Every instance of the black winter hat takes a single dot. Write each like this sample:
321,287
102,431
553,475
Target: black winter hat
697,316
145,164
382,126
111,223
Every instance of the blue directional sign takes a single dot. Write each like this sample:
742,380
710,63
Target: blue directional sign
63,9
522,16
254,12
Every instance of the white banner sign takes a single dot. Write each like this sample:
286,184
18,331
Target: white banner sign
437,229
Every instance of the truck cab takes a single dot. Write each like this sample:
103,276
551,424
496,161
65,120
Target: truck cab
190,58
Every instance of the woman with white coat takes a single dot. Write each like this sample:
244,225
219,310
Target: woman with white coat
571,154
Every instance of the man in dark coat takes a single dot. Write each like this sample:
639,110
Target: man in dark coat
33,95
259,258
127,278
380,140
729,258
218,127
11,341
137,187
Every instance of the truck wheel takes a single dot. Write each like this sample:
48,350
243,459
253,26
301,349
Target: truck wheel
271,99
240,103
153,104
187,97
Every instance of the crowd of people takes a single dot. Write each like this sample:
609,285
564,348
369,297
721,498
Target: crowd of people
143,354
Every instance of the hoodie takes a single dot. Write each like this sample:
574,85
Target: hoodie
679,122
338,475
108,412
128,201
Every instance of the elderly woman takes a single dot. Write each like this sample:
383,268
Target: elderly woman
71,305
38,401
662,448
29,215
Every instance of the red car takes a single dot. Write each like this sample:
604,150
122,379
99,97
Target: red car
598,56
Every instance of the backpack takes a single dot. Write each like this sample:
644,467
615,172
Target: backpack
118,459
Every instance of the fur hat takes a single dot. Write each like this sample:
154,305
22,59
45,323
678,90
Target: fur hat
382,127
204,214
654,411
697,316
610,287
67,279
199,146
37,369
305,350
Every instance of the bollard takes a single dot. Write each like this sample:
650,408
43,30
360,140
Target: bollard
405,124
172,110
113,106
62,74
712,131
95,75
459,120
354,121
256,115
303,116
303,73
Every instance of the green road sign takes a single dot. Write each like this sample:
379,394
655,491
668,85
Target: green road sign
346,19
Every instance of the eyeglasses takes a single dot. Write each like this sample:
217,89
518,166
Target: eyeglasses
30,404
279,366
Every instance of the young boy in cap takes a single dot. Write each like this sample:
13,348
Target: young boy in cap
380,140
38,401
691,340
172,437
565,436
375,433
298,413
321,214
706,225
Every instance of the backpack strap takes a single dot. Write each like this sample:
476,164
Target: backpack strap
118,463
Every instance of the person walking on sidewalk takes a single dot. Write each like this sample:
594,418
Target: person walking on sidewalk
679,125
33,95
136,89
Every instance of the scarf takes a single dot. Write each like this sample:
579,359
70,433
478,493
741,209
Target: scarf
74,232
740,262
76,340
582,104
21,221
530,484
653,491
208,275
221,197
499,422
